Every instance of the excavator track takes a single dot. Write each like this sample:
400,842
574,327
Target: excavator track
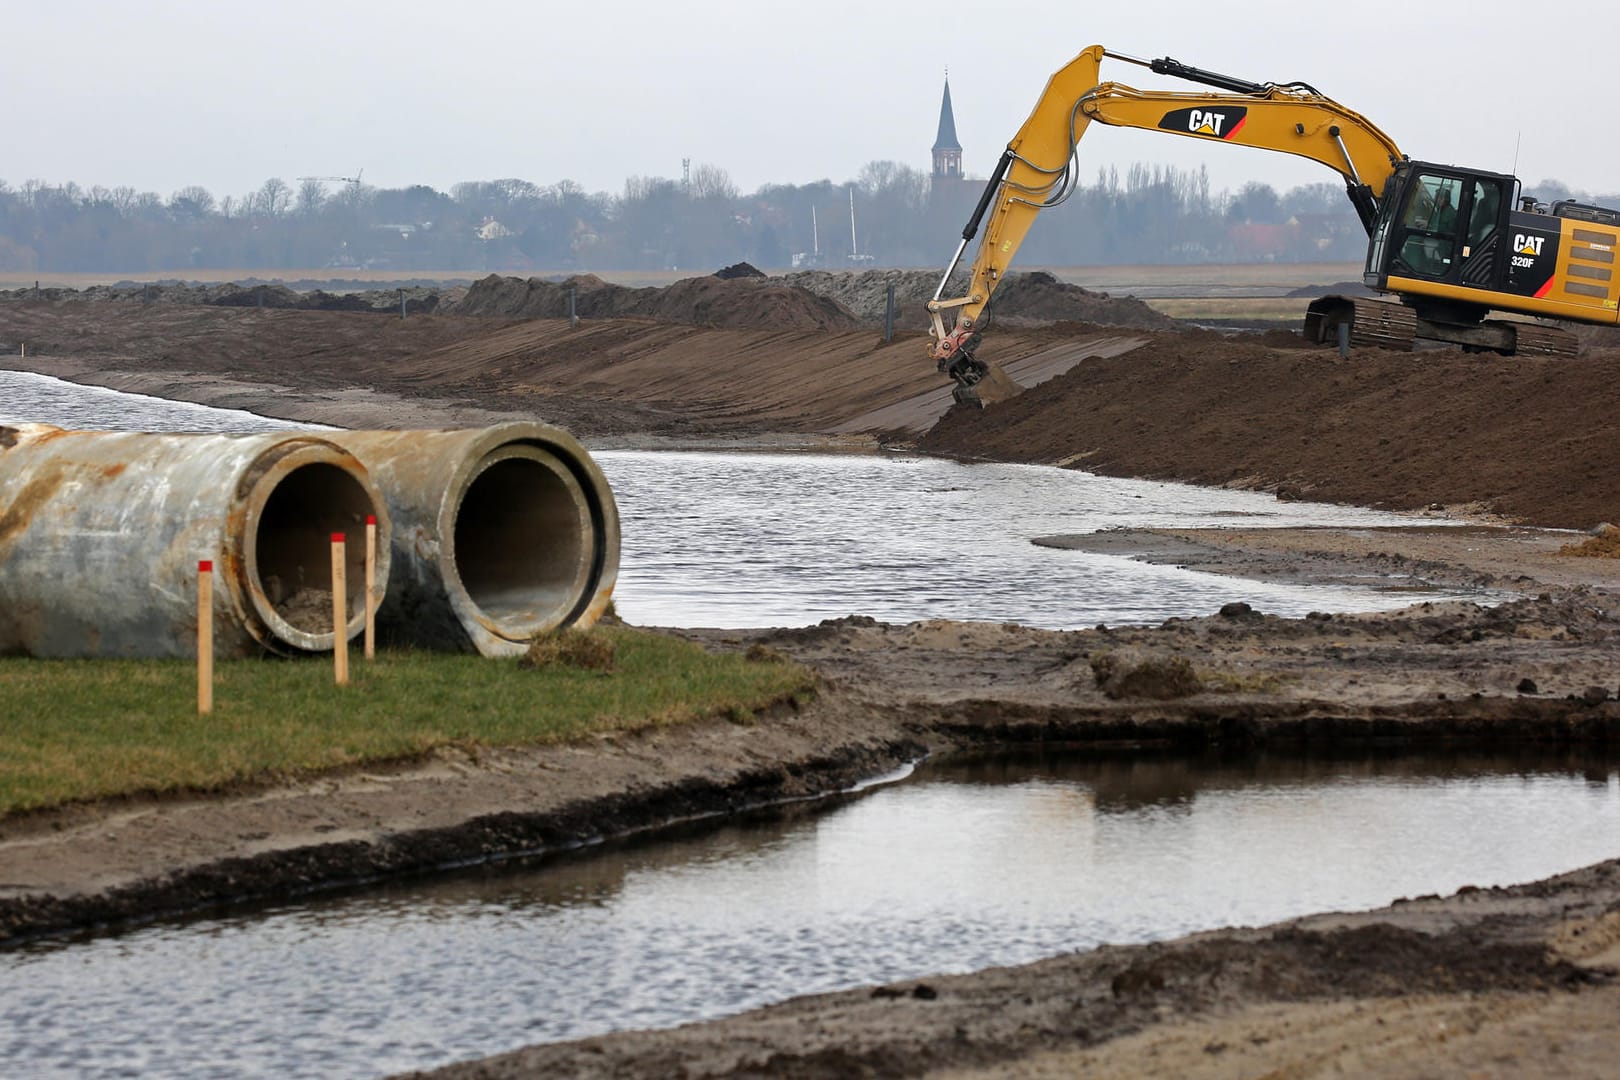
1383,325
1532,340
1373,323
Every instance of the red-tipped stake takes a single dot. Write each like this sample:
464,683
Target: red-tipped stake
340,612
371,586
205,637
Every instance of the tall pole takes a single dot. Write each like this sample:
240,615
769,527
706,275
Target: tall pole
854,249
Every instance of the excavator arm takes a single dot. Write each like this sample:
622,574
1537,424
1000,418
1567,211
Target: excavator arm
1038,168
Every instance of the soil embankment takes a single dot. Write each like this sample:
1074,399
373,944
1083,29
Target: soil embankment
711,358
1528,438
1494,982
752,358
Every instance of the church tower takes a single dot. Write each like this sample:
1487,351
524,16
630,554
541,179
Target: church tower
947,151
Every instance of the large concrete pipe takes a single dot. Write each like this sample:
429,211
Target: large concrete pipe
500,533
101,534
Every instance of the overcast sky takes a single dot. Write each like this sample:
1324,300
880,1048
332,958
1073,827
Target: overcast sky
163,94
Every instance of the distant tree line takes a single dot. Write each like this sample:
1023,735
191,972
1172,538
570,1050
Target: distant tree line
900,218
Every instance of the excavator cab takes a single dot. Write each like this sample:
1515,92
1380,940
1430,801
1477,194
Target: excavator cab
1457,244
1445,227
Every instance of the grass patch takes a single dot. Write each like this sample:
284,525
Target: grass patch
1228,682
571,649
73,730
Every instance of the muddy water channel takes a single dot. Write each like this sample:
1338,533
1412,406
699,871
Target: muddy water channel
753,539
748,540
960,866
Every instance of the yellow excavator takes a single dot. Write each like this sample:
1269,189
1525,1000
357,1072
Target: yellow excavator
1452,244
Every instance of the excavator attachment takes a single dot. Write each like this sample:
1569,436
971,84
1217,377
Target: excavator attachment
980,383
977,382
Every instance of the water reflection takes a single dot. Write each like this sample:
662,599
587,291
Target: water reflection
967,864
735,540
26,398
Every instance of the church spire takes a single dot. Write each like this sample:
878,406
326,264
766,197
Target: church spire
947,151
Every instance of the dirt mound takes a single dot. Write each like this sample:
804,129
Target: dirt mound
1132,673
1038,296
739,296
418,299
866,292
1527,437
745,302
1033,297
1338,288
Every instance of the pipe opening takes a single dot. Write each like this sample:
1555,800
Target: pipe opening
293,545
522,543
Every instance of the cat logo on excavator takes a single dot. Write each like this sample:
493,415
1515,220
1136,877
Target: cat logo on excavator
1210,123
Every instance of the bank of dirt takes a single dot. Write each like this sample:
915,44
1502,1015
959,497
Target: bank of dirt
1493,982
1528,438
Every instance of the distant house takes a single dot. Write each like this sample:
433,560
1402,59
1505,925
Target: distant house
493,230
1260,243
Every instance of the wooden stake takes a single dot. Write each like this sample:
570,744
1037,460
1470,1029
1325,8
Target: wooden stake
371,586
340,612
205,637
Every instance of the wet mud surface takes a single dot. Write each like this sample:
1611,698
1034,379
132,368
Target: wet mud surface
1494,982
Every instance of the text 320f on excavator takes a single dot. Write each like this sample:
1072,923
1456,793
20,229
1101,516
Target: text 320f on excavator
1452,244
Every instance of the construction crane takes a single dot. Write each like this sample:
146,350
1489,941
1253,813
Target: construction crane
355,179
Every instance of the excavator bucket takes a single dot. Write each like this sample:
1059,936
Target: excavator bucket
996,385
992,385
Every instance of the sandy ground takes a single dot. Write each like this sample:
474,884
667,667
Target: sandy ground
1490,982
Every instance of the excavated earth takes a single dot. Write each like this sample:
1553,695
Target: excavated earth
1491,982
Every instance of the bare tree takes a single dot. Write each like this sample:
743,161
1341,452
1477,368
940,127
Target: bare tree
191,203
712,182
311,196
148,206
274,197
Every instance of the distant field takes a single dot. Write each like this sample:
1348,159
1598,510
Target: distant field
18,279
1247,279
1147,282
1234,308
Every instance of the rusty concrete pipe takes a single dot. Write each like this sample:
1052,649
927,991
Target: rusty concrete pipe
500,533
101,533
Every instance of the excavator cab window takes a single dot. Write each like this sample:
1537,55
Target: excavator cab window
1482,243
1427,242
